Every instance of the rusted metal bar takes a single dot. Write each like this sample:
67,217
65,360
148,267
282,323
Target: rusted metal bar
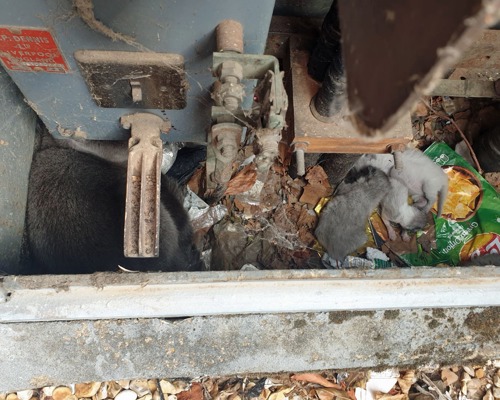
142,208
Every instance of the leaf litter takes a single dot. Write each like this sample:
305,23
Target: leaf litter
467,382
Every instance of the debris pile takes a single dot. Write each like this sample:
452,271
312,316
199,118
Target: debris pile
271,223
468,382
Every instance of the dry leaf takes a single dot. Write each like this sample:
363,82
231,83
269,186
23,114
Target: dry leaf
181,386
140,386
496,379
280,395
194,393
488,395
61,393
264,394
324,394
474,389
196,181
167,388
223,395
420,110
48,390
392,397
25,394
87,389
448,376
152,385
126,394
331,392
479,374
124,383
313,193
315,378
317,175
407,381
113,388
242,181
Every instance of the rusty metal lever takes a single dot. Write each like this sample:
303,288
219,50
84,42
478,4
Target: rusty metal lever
142,206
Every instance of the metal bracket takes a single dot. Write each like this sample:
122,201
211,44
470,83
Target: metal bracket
124,79
142,207
257,67
271,95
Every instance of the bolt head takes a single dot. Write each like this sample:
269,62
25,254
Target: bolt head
231,68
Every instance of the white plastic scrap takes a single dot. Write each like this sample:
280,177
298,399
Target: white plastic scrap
381,382
249,267
376,254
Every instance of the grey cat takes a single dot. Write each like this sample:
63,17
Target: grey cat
75,217
394,207
341,226
425,180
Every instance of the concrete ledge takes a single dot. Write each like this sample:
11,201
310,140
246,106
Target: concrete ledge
166,295
50,353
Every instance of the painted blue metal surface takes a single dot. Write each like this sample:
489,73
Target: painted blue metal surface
17,136
186,27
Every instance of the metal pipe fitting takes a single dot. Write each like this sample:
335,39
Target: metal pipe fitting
328,101
229,36
328,48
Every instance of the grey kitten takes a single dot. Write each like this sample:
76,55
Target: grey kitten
75,218
425,180
394,207
342,223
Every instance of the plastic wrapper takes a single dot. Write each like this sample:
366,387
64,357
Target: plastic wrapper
378,260
201,214
470,223
169,155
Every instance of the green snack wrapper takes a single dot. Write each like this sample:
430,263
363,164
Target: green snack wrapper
470,223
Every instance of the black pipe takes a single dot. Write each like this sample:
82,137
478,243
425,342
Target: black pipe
325,65
329,99
328,48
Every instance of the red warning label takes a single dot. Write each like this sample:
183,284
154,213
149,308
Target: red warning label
29,50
